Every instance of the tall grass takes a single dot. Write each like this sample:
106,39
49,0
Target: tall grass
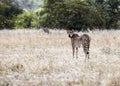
35,58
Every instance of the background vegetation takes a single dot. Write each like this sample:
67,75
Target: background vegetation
9,9
66,14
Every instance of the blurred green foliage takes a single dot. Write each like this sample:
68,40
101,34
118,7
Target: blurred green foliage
27,19
66,14
83,14
8,10
31,19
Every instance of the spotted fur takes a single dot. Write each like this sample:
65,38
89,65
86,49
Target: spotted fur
77,41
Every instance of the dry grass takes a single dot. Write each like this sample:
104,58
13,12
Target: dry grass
34,58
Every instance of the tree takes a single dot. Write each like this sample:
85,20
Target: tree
49,7
113,12
108,10
3,10
27,19
74,14
9,9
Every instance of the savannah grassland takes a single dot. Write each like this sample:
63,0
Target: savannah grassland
35,58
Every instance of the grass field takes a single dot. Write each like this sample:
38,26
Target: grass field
35,58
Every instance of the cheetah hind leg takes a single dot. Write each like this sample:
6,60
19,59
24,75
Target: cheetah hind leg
86,56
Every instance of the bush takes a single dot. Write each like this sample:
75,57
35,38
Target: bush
82,14
27,19
7,13
73,14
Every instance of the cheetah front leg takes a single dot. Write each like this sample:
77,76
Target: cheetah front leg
76,52
73,48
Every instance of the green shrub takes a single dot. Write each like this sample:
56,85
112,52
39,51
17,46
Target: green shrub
7,13
27,19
